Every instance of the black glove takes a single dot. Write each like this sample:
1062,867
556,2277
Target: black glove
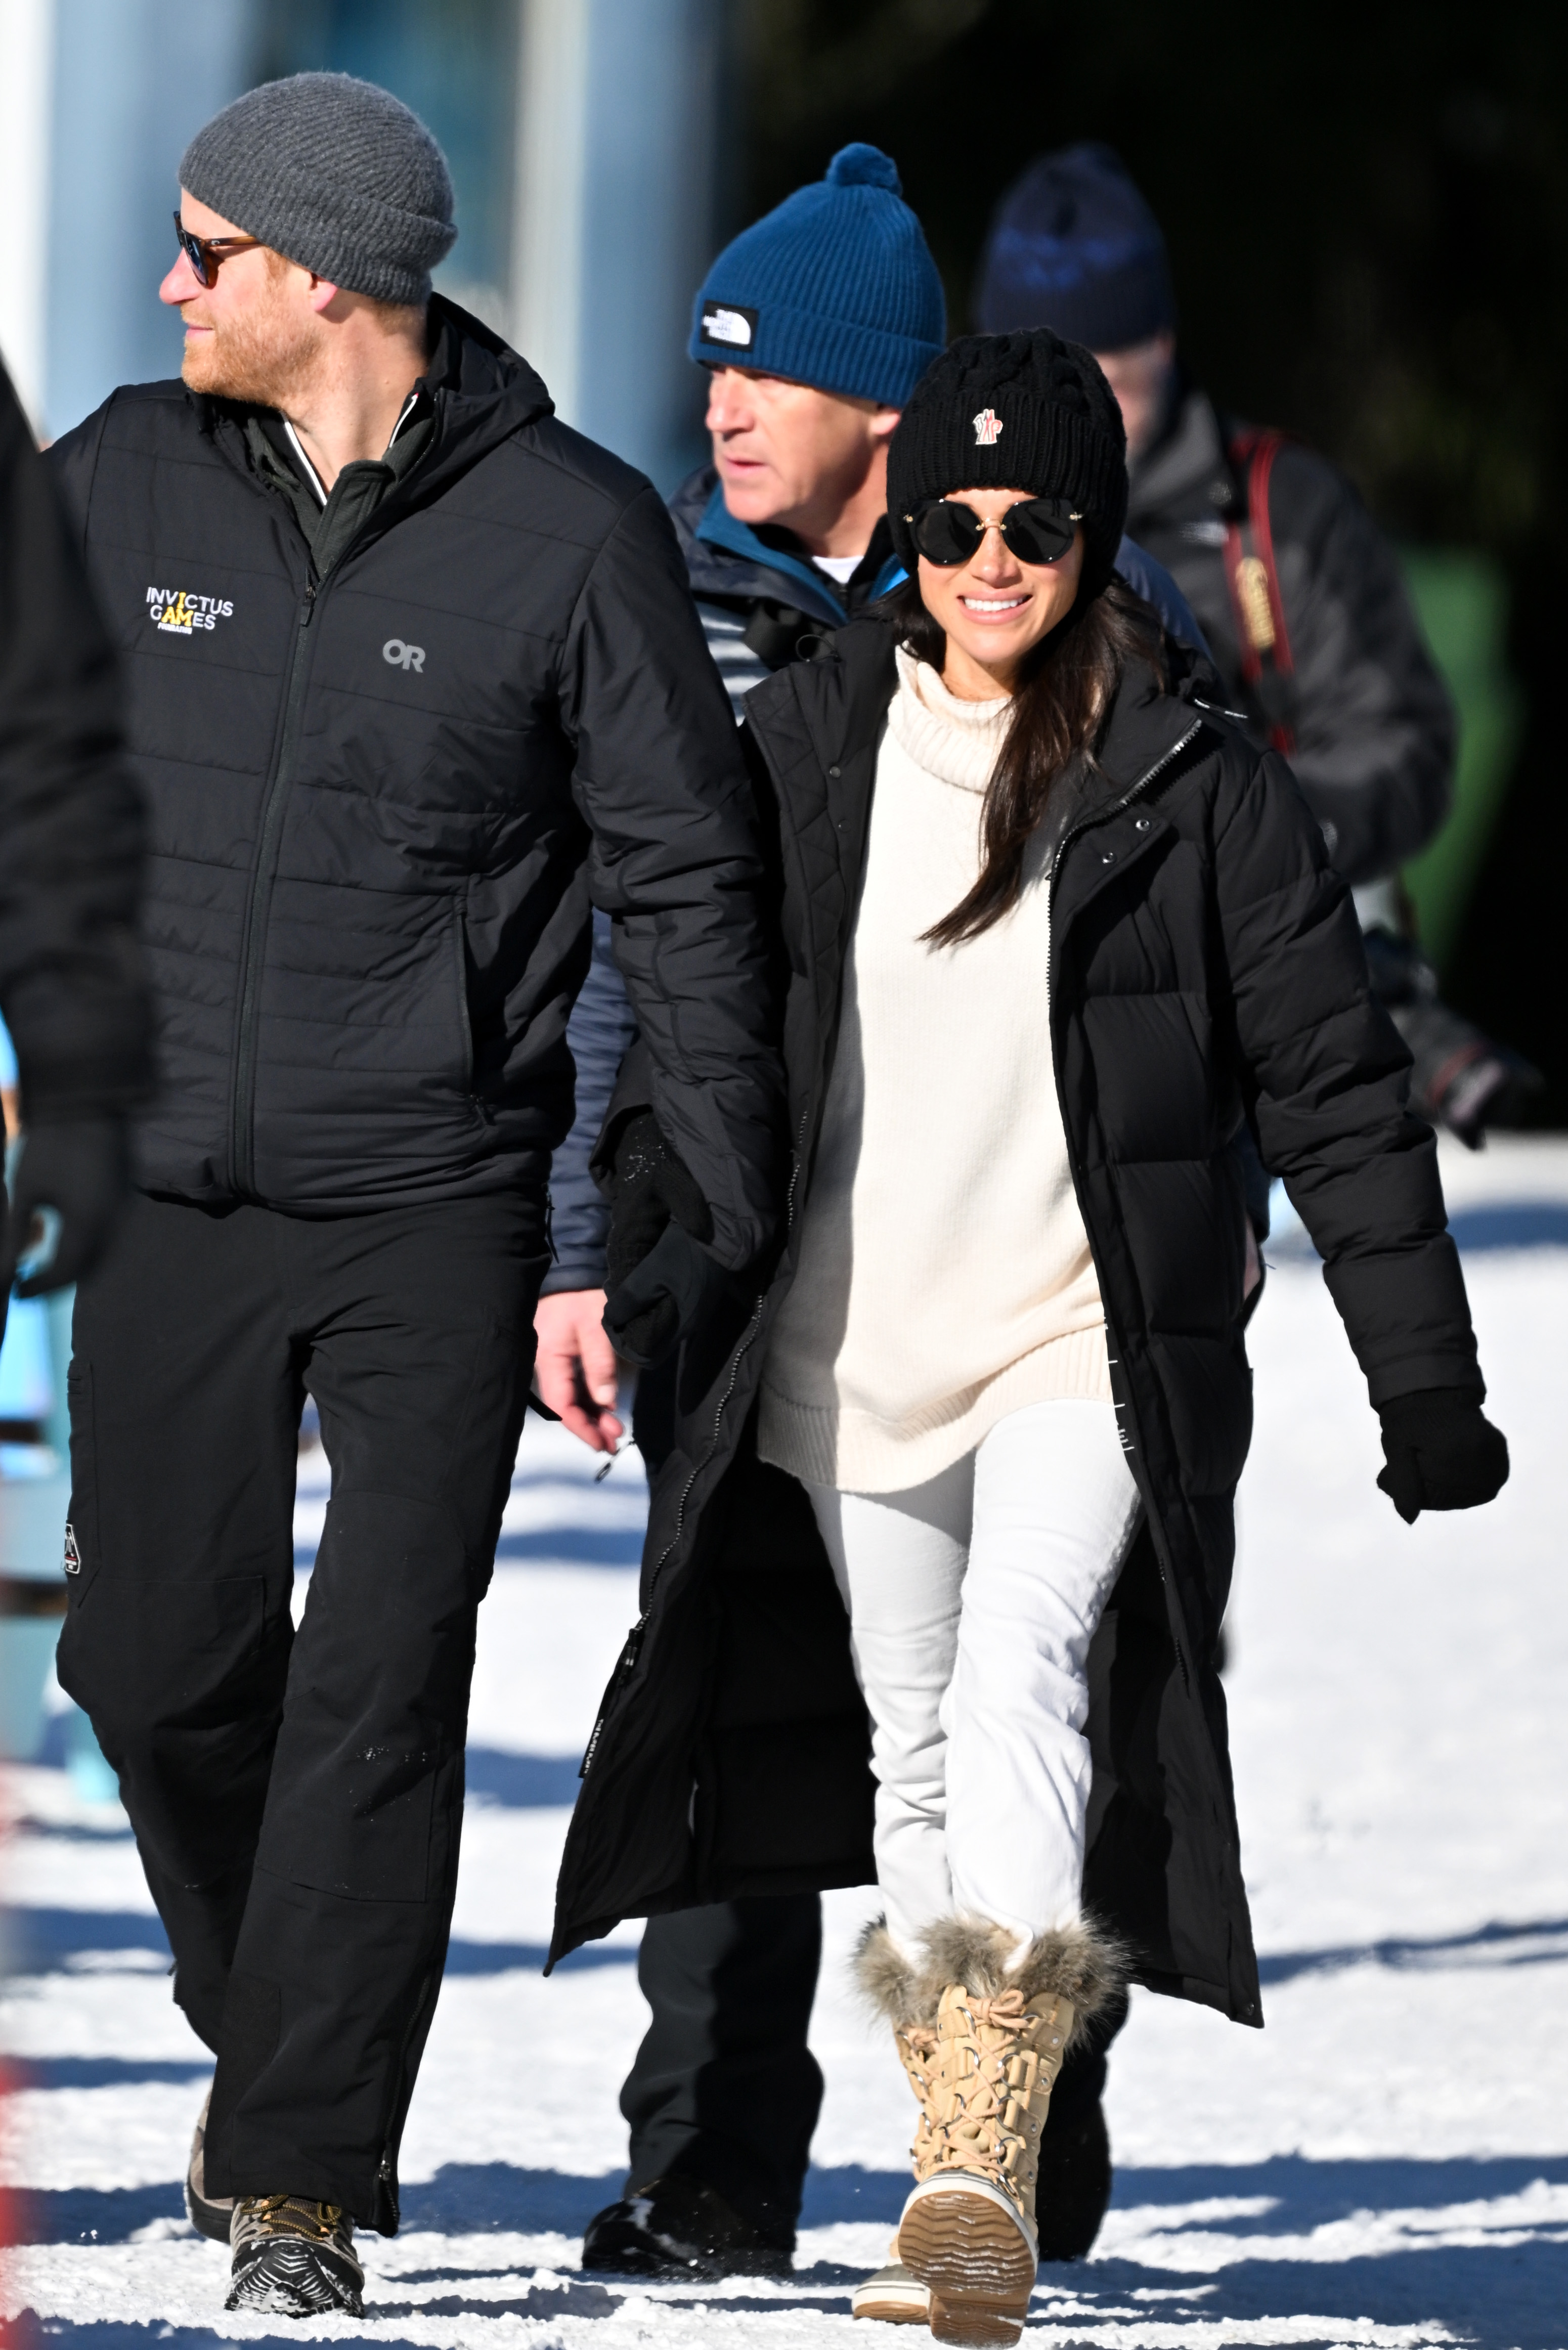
663,1299
1442,1451
659,1276
79,1167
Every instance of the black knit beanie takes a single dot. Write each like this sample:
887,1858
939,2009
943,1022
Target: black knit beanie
1023,412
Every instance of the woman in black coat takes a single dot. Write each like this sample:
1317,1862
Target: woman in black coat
1011,1420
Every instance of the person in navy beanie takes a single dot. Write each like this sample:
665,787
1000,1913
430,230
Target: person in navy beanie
1301,597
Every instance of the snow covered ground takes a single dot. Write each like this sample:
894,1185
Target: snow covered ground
1386,2165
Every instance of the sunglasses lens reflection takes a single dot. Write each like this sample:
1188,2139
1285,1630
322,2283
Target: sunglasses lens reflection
1036,534
946,534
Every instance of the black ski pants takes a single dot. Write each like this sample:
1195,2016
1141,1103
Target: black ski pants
297,1797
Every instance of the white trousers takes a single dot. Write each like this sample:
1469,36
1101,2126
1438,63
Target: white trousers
973,1600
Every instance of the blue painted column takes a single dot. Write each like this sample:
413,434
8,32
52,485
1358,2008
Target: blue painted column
132,80
620,119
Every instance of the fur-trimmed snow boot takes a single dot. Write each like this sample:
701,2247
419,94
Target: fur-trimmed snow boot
982,2041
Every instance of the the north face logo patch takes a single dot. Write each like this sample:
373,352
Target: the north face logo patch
729,323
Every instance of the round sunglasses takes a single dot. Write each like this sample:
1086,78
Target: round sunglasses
207,253
1037,530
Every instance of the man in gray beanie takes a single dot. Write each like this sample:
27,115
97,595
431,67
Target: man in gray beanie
417,679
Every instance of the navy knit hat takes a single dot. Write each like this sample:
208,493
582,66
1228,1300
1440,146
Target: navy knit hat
1074,246
836,289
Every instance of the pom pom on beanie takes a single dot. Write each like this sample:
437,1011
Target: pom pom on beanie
834,288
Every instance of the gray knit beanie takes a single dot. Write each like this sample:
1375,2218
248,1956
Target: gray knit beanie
334,174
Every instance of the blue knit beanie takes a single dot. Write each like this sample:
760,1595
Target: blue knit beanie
836,289
1075,247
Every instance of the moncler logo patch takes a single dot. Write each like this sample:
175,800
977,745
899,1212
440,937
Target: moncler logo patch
176,613
987,427
729,323
73,1555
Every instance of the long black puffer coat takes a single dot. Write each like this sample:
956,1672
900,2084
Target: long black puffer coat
1205,967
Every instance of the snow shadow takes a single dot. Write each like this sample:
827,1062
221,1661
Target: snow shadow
1452,2243
571,1546
525,1782
1539,1942
1478,1230
43,1942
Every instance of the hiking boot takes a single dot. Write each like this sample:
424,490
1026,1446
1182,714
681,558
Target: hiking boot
676,2228
293,2258
1073,2189
893,2295
982,2041
210,2215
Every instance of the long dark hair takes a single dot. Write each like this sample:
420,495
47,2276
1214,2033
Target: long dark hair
1060,705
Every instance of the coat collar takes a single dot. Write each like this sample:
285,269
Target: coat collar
726,558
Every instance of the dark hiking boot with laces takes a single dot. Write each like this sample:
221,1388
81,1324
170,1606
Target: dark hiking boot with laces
1074,2188
675,2228
210,2215
293,2258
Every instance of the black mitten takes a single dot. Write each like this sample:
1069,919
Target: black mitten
1442,1452
651,1188
659,1276
81,1167
662,1299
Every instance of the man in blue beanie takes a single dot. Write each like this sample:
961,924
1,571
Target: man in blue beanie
814,325
1299,594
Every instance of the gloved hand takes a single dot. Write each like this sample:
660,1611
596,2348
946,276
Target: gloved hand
80,1167
659,1276
663,1299
1442,1452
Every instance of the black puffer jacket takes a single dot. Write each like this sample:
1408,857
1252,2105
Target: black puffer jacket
71,836
1206,966
1370,723
373,796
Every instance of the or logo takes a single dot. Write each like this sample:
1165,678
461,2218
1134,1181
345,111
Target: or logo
73,1555
987,428
398,655
176,613
729,323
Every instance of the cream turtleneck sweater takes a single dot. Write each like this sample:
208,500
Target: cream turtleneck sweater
944,1277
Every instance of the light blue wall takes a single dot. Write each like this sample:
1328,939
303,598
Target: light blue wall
657,85
133,79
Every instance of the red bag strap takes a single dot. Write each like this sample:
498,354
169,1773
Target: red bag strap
1253,574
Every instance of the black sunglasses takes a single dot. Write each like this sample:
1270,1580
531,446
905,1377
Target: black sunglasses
1037,530
206,253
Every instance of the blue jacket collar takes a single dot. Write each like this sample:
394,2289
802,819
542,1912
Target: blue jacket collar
726,558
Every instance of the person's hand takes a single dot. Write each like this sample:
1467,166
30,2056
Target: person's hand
1442,1452
68,1189
575,1367
663,1299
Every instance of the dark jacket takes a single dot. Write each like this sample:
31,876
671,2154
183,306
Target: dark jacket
1370,718
1205,967
762,603
381,795
72,986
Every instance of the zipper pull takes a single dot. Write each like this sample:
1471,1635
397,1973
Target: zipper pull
309,606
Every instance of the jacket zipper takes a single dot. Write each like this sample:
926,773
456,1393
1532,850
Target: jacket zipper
626,1664
242,1129
1101,817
